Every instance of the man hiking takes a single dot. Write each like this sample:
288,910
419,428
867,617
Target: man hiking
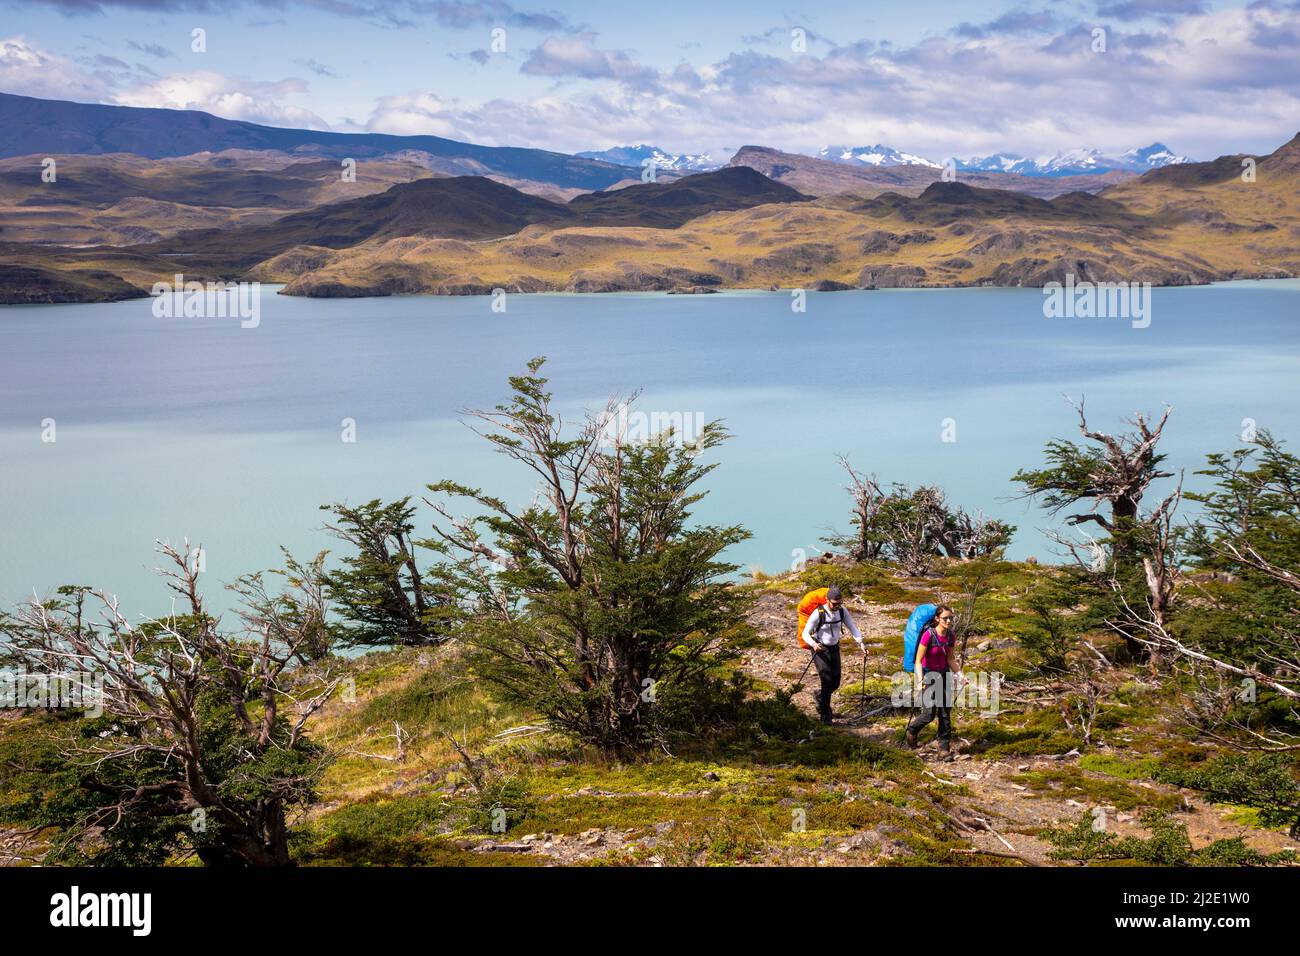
934,680
821,635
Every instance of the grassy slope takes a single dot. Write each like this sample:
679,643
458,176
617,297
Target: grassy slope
865,799
121,199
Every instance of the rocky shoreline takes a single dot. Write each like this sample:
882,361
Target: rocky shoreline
72,292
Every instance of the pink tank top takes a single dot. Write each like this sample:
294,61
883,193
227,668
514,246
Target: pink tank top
936,650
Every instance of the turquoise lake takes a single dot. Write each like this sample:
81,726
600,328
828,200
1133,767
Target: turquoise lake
230,436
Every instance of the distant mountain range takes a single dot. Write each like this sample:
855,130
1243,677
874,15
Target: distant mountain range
142,195
733,228
53,127
636,156
1075,162
827,177
1078,162
877,155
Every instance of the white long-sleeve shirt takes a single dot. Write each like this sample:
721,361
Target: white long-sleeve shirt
827,626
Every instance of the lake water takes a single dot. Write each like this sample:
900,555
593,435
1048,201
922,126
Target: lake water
167,428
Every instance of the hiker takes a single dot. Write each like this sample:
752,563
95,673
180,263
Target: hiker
934,680
822,636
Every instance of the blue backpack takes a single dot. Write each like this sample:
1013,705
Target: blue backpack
916,625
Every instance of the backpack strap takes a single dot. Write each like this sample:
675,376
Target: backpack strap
820,617
936,640
823,618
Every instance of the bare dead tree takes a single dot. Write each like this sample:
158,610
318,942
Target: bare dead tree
966,536
295,617
401,738
1082,702
160,680
1283,654
910,546
1161,560
865,543
1214,711
975,578
912,526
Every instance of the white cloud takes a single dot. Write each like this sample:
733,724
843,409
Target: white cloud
1221,81
416,114
231,97
579,57
30,71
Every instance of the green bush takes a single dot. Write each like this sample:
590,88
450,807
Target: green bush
1265,782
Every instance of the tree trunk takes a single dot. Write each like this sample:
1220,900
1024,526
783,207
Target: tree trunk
1123,520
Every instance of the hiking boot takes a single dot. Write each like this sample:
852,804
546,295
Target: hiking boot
826,717
945,752
911,739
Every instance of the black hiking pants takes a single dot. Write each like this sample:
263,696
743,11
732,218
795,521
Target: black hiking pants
827,662
936,701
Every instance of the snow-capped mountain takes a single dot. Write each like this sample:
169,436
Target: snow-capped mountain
878,155
999,163
636,156
1077,162
1072,162
1152,157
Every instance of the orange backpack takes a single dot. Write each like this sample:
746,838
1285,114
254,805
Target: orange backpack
808,605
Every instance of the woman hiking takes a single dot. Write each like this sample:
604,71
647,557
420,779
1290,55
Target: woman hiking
822,636
934,680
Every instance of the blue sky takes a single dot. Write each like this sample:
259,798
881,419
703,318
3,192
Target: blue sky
932,77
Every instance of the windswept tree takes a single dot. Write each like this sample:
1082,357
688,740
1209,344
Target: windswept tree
198,745
1247,624
914,526
968,536
1109,477
382,595
600,604
1129,573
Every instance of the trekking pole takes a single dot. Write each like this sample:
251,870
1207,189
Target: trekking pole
799,683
